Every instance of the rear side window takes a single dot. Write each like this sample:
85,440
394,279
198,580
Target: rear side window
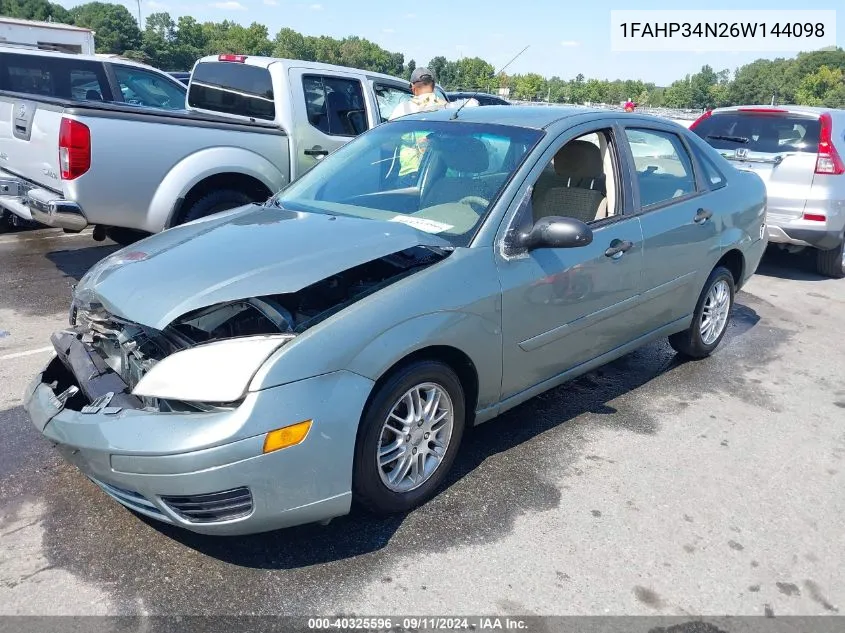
335,106
767,133
233,88
64,78
144,88
712,174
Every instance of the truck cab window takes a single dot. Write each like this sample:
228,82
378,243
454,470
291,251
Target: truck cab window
388,97
335,106
143,88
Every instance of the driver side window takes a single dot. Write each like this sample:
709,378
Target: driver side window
580,182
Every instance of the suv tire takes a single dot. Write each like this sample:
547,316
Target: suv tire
832,263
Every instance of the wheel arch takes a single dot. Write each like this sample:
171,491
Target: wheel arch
198,169
734,261
454,358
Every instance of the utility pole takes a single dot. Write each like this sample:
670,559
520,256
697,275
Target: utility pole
140,25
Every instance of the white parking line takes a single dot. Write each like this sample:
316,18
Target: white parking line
30,352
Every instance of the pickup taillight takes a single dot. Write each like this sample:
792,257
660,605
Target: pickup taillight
74,149
828,160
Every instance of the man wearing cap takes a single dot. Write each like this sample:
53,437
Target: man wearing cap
424,99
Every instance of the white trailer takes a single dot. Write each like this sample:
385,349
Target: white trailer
49,36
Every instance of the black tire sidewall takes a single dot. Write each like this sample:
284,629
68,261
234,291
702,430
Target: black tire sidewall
695,330
367,488
213,202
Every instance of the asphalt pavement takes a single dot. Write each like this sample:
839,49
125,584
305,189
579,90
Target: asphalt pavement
650,486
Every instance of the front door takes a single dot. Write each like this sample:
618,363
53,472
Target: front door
563,307
332,109
681,229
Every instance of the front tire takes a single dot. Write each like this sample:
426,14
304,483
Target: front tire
408,438
710,319
832,263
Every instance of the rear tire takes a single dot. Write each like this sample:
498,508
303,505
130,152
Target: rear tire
424,447
832,263
215,202
124,236
710,319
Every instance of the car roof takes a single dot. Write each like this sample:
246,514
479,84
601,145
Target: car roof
99,57
792,109
266,62
538,117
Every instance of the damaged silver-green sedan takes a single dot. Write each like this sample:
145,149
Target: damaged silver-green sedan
269,365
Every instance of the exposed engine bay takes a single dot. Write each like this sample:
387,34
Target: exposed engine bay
131,350
296,312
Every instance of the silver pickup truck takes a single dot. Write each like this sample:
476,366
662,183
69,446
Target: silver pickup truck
251,126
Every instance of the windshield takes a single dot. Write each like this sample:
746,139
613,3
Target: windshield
437,176
763,132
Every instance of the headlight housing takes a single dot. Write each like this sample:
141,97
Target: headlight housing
218,372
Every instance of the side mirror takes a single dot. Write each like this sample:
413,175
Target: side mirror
556,232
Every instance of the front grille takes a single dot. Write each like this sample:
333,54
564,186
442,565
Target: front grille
129,498
212,507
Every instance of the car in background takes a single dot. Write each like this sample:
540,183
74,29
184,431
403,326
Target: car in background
182,76
332,343
482,98
797,151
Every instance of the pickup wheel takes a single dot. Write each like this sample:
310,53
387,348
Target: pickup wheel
832,263
5,221
124,236
215,202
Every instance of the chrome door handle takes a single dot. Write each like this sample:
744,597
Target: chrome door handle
702,216
618,248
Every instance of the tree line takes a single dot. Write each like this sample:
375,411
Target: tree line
813,78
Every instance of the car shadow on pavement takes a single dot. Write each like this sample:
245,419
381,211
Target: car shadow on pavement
75,263
481,504
799,266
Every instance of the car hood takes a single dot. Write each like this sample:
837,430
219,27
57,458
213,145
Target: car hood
248,252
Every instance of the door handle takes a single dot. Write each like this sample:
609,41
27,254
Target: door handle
702,215
618,248
316,152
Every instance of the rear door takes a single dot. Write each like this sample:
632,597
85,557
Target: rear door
29,129
681,221
781,147
330,109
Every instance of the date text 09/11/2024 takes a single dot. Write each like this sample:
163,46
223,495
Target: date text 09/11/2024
722,29
418,624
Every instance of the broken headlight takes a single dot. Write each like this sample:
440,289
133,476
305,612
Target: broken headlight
218,372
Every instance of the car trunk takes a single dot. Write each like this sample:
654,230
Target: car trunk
779,146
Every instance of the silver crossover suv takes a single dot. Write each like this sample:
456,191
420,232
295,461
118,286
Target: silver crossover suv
269,365
798,151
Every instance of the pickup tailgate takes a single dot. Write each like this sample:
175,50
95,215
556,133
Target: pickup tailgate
29,140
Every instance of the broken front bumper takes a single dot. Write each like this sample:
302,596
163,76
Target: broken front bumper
204,471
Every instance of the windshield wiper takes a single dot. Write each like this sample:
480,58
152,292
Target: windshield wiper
735,139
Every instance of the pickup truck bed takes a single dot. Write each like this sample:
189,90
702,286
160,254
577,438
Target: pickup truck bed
126,154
